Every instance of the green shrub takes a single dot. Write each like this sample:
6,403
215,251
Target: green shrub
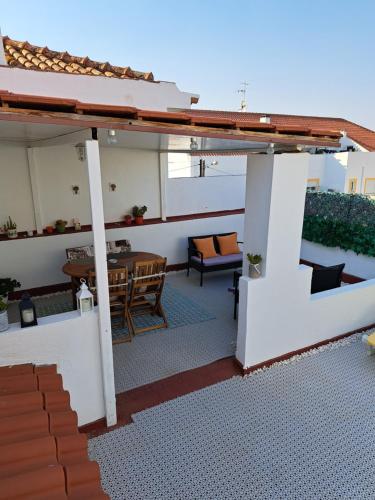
340,220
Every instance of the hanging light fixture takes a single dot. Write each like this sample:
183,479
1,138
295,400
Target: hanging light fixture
112,139
193,144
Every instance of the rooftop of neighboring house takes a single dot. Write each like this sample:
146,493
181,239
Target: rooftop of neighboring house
21,54
361,135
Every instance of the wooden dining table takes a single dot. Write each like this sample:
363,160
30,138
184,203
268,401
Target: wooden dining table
80,268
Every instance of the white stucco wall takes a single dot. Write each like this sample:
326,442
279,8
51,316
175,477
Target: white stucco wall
205,194
277,313
136,174
360,265
38,261
15,188
360,166
335,171
70,341
95,89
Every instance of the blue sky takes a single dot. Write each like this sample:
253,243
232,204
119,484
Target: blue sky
300,57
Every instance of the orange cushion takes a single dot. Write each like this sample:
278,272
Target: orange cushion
206,247
228,244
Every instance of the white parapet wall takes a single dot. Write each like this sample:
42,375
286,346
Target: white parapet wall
359,265
72,342
277,313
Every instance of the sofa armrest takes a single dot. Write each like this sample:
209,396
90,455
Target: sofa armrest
194,251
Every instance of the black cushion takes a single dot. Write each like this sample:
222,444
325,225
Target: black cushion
326,278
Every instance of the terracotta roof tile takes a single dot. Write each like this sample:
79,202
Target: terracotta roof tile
42,454
317,125
26,56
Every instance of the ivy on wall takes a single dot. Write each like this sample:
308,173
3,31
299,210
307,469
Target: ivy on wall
340,220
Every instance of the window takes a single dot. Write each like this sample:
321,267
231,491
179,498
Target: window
352,188
370,185
313,184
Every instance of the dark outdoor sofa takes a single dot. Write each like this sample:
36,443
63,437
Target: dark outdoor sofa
219,263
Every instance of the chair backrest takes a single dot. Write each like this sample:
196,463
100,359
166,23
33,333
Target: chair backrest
79,253
216,244
326,278
118,281
148,277
118,246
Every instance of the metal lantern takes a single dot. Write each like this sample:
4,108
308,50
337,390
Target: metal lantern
27,311
85,299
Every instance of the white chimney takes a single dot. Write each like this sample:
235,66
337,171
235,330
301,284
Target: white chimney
265,119
3,61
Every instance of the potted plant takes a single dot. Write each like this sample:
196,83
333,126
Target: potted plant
254,265
11,228
138,213
128,219
3,316
61,225
7,285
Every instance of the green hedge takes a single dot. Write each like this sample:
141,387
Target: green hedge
340,220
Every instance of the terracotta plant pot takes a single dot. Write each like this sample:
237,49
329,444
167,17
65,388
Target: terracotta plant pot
128,220
138,219
49,229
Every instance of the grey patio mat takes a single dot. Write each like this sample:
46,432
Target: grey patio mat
303,430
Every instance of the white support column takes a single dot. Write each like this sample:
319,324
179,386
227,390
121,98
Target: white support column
275,200
35,191
97,214
163,172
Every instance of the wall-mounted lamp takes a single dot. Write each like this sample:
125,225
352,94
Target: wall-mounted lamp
75,189
81,151
112,186
112,139
193,144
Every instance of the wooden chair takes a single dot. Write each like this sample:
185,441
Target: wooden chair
146,291
118,289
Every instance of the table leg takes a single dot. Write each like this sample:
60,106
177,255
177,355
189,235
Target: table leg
74,291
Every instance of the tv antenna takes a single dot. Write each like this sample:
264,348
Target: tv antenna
242,90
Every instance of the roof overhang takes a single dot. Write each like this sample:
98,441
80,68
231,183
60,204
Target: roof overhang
236,135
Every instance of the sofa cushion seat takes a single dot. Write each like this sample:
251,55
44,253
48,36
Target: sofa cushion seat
220,259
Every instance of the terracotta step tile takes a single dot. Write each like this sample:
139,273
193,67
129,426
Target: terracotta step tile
55,401
46,483
24,456
63,423
72,449
100,495
50,382
18,383
83,481
24,427
45,369
24,402
8,371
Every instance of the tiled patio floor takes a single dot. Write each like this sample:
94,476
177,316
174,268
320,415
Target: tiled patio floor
302,430
162,353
